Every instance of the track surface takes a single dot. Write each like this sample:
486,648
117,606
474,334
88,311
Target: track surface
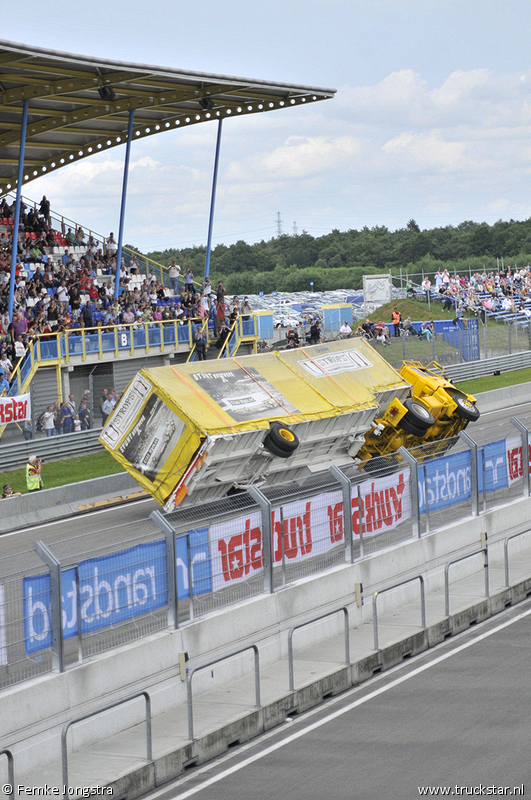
454,717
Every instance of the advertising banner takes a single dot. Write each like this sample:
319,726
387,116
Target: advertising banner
515,466
495,455
446,481
306,528
15,409
114,588
236,548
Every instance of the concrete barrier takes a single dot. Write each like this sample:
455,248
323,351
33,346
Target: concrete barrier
65,501
34,712
499,399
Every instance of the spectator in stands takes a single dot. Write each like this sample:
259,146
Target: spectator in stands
4,383
173,272
245,308
219,316
189,281
44,209
84,415
345,331
111,245
48,422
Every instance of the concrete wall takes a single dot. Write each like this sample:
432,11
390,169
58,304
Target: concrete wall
64,501
34,712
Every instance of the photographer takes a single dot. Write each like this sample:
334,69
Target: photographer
33,474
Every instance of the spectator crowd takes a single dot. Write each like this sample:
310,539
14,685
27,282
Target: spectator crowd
57,292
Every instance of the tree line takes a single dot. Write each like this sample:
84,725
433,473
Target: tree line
340,259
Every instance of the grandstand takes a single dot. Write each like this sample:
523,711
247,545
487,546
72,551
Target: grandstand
58,109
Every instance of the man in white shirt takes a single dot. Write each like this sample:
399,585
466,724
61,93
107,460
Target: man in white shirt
111,245
345,330
174,271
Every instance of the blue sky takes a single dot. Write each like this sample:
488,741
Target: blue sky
431,120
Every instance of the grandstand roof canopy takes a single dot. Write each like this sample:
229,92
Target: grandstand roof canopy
79,106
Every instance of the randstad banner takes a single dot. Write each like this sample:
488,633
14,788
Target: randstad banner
114,588
15,409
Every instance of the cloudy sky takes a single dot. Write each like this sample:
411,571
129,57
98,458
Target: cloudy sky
431,120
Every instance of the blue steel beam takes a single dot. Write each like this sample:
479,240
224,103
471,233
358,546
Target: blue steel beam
213,201
122,208
17,208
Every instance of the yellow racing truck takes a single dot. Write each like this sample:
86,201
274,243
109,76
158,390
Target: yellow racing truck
194,432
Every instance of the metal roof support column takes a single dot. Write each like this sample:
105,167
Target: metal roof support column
213,200
17,207
122,209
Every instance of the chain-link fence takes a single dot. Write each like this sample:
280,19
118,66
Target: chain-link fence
85,594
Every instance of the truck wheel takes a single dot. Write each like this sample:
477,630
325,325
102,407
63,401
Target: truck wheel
465,409
281,441
410,427
417,415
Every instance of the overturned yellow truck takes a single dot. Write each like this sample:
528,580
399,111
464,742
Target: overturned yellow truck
195,432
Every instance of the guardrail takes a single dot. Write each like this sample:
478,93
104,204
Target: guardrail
8,789
217,661
50,448
483,550
292,630
488,366
506,553
388,589
100,710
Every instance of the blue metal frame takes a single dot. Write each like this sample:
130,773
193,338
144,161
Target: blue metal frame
17,207
122,208
213,200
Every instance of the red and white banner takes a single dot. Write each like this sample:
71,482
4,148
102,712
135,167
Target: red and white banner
236,548
515,466
15,409
306,528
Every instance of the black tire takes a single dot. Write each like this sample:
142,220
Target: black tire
418,415
281,441
410,427
465,409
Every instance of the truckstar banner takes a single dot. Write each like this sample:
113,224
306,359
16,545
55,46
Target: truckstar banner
15,409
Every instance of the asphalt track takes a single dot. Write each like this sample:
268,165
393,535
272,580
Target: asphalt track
456,717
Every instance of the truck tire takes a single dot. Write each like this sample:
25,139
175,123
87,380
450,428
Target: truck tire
281,441
465,409
417,415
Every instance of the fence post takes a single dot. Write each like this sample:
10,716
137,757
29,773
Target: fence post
56,609
474,482
414,489
525,454
346,490
171,568
267,536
